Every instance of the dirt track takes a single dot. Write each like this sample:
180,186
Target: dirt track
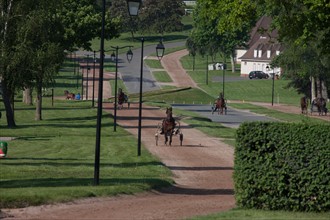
202,170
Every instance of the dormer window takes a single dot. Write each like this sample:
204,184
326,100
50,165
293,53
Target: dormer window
268,53
259,53
277,52
255,53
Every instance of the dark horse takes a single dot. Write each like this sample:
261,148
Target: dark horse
321,104
168,126
304,105
69,95
122,98
220,105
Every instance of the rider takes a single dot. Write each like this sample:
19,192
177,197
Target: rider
215,107
168,119
121,96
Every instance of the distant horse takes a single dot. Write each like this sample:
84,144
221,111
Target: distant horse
122,98
168,126
220,105
304,105
321,104
69,95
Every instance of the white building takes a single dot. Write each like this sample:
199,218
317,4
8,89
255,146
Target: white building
262,48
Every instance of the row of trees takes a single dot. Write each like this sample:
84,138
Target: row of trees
303,27
35,34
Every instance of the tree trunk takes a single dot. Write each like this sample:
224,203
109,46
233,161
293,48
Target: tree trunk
324,90
318,88
6,95
39,102
313,95
233,61
27,96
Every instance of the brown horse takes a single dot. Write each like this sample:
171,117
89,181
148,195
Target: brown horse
304,105
168,126
69,95
220,105
122,98
321,105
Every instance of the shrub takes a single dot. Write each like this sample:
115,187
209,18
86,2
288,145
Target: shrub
281,166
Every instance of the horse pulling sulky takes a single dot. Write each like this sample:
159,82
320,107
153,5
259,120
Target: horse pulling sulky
220,104
122,98
169,127
69,95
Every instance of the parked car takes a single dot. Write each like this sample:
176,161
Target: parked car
258,75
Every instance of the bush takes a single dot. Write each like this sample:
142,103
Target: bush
281,166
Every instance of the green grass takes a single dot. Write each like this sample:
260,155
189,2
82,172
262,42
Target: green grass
281,116
154,64
244,214
162,76
53,160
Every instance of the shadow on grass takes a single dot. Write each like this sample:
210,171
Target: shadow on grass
69,182
45,162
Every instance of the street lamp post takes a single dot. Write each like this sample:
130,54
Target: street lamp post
133,9
140,99
94,62
88,68
129,56
82,83
207,70
160,53
224,66
268,68
99,103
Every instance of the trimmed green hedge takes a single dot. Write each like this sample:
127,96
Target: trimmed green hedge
281,166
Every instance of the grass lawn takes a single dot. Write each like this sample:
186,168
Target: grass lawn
161,76
53,160
243,214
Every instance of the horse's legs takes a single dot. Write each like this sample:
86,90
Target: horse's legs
165,136
171,137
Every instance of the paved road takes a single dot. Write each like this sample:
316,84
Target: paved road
232,119
131,71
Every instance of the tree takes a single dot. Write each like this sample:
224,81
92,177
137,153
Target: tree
161,16
304,24
208,33
118,10
34,35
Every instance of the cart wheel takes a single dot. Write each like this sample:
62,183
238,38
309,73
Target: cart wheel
156,138
181,139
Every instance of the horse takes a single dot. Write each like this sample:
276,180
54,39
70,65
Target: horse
304,105
321,104
220,105
122,98
69,95
168,126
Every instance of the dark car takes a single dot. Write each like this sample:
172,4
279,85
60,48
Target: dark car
258,75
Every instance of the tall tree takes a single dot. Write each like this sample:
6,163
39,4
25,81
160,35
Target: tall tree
161,16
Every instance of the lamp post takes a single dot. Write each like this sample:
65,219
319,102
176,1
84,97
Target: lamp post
88,68
94,62
133,7
129,56
160,53
224,66
99,103
207,70
82,83
268,68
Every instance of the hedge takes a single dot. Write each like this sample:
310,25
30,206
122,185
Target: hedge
282,166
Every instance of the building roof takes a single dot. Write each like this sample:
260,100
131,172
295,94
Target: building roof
262,41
